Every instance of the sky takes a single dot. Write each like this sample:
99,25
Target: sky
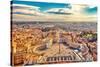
35,8
43,5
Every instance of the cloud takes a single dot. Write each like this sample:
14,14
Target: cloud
59,11
92,6
26,6
76,9
25,10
